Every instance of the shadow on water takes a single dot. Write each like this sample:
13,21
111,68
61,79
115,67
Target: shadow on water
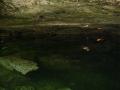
76,58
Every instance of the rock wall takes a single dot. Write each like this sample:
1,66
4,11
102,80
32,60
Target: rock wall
106,1
18,7
30,7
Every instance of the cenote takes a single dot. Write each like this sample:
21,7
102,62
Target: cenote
67,58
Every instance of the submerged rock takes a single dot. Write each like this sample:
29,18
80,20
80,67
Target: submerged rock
21,65
65,89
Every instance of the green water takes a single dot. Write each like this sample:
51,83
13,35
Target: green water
84,61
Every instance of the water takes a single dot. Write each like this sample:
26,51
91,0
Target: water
69,58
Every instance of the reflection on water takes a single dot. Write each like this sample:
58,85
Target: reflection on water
70,58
